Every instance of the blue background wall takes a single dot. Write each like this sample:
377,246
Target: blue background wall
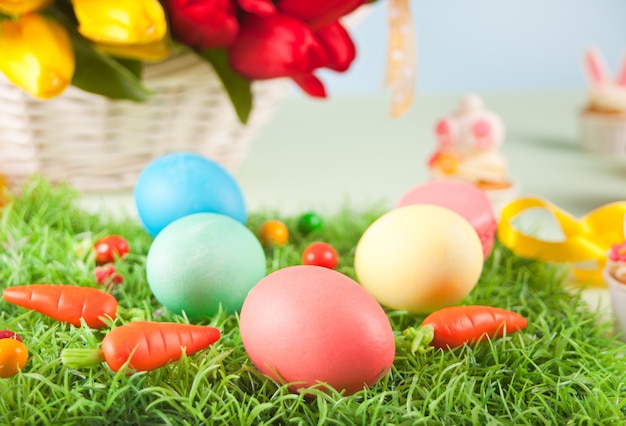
490,45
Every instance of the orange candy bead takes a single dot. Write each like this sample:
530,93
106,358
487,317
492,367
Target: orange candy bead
4,188
273,233
13,357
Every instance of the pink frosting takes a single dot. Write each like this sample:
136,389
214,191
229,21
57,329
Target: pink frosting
617,253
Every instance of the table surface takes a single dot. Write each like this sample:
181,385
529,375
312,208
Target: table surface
325,155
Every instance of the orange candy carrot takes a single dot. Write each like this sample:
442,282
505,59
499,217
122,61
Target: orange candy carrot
150,345
67,303
145,345
458,325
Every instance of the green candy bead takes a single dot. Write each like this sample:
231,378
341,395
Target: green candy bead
202,261
310,222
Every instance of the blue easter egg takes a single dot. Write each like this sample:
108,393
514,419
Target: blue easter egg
183,183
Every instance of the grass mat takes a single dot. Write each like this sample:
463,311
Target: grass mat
563,369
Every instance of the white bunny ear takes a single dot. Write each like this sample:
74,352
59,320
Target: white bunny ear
621,76
595,67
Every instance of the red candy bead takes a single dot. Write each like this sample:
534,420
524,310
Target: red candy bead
108,276
320,254
110,248
7,334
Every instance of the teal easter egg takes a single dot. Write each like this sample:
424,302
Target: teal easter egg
202,261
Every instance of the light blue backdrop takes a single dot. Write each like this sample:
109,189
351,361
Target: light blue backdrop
490,45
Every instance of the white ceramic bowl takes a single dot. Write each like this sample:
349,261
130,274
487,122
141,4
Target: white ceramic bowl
617,292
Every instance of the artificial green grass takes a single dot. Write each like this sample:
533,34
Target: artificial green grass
564,368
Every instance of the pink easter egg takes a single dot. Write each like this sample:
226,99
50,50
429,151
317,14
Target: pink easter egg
463,198
309,325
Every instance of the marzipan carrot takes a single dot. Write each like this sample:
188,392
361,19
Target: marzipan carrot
66,303
144,345
458,325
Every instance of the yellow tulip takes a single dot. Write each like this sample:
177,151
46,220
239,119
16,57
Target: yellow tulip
37,55
152,52
121,21
20,7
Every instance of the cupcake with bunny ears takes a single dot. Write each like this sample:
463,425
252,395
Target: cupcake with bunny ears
468,149
603,120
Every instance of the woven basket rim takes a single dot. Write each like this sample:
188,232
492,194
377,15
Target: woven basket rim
99,144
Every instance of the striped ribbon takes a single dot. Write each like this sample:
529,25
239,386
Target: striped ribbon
401,57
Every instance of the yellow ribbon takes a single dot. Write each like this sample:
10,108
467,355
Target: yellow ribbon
401,57
586,239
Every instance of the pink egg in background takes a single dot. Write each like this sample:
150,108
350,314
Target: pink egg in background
463,198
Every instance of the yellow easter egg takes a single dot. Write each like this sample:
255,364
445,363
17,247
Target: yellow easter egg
419,258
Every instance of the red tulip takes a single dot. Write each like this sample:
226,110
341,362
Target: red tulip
318,13
339,46
203,24
258,7
311,85
278,46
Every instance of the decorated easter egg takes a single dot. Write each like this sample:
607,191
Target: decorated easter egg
463,198
182,183
202,261
419,258
309,324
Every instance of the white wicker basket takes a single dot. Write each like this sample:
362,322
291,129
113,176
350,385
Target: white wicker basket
97,144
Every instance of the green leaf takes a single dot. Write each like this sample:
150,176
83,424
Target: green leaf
66,9
101,74
238,88
135,67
